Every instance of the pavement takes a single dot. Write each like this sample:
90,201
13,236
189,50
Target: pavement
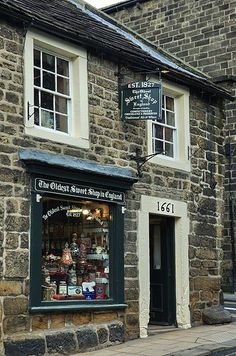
201,340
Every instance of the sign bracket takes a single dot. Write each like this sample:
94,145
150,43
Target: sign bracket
141,160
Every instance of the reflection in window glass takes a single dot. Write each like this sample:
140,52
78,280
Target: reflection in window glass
75,250
47,119
63,85
48,62
169,150
61,105
61,123
47,101
48,81
36,77
37,59
62,67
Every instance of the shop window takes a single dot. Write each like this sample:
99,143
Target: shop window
76,252
56,96
171,136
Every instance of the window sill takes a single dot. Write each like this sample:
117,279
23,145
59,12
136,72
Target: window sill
76,306
172,163
58,137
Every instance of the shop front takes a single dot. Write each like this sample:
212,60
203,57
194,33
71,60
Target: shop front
77,229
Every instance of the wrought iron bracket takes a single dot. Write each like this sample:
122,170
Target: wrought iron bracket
28,111
141,160
29,106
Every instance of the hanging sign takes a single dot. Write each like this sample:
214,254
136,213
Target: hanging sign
75,190
141,101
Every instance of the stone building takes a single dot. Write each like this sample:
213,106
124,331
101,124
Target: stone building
202,33
89,230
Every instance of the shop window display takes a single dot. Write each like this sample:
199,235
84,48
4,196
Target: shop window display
75,250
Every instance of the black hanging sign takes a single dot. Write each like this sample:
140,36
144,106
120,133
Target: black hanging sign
76,190
141,101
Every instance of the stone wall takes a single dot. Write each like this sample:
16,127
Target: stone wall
111,143
202,33
85,338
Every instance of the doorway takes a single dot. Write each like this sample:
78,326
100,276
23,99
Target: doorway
162,270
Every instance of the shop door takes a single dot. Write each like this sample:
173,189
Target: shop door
162,271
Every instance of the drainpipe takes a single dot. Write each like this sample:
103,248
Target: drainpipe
229,153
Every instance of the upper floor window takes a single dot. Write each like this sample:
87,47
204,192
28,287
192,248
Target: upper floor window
170,136
56,97
52,100
164,131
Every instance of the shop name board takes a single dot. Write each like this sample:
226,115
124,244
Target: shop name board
80,191
141,101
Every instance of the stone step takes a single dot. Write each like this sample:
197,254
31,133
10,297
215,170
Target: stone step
229,297
231,307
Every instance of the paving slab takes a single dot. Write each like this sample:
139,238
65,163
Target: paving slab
203,340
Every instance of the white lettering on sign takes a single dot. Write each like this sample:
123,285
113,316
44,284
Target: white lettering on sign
77,190
166,207
141,85
57,209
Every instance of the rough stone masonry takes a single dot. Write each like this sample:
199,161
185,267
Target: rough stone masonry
111,141
202,33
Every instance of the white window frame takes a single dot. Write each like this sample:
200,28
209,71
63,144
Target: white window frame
182,140
79,126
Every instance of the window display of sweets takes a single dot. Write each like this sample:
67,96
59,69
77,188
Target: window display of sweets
75,250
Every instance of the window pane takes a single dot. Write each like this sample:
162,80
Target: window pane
36,97
170,118
37,77
37,58
62,85
61,104
48,62
169,149
157,247
49,81
169,134
47,119
158,146
62,67
62,123
169,103
75,250
46,100
36,116
163,116
158,131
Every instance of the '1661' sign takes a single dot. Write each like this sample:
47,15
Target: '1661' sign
141,101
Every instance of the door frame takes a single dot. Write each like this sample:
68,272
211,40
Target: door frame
178,210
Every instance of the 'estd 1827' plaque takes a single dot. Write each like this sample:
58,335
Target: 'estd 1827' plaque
141,101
